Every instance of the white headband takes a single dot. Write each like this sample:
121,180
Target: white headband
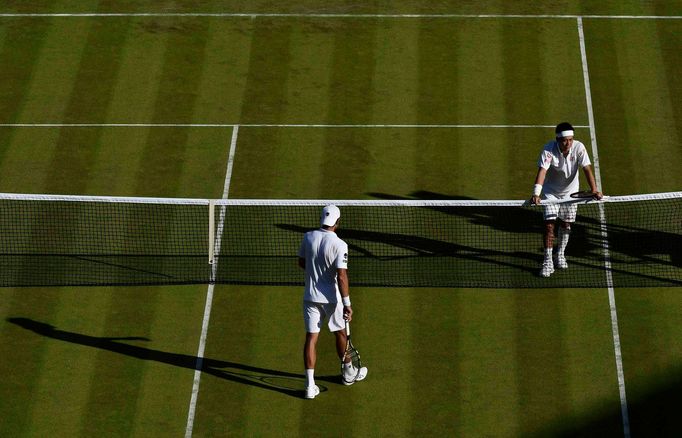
564,134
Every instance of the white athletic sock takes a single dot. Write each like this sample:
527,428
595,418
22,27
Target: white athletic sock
310,376
564,234
548,253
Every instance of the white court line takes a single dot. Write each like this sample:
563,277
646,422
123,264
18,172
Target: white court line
209,294
604,233
262,125
323,15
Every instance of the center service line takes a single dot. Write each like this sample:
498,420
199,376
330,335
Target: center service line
604,233
211,286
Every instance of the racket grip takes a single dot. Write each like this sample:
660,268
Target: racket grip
347,329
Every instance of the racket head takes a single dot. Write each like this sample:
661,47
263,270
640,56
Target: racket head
354,355
583,194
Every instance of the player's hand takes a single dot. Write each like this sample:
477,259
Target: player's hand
597,195
347,313
535,200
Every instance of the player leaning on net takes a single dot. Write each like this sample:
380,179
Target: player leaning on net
324,257
556,179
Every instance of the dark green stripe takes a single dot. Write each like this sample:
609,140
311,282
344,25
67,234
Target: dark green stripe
265,94
669,35
23,355
438,103
351,96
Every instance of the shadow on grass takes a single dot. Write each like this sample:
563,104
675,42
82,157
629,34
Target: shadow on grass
274,380
653,411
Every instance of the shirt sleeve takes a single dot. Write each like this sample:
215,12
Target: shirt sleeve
545,159
341,261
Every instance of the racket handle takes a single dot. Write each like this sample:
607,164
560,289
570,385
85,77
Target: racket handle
347,329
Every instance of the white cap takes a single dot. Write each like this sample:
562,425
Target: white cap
330,214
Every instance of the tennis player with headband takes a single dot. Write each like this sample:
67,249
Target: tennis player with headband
556,179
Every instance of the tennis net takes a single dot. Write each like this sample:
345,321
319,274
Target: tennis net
48,240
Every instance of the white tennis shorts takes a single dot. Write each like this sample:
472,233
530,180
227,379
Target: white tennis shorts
566,212
314,315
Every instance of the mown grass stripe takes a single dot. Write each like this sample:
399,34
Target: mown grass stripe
119,156
434,394
51,82
19,53
162,159
611,120
670,44
225,73
24,356
68,368
159,166
352,95
94,84
41,90
539,365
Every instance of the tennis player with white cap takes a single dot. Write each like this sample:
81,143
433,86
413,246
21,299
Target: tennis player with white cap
324,257
556,179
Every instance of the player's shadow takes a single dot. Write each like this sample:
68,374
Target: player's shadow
287,383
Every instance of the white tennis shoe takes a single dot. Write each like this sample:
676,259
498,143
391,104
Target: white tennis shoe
362,374
547,268
311,392
561,261
351,371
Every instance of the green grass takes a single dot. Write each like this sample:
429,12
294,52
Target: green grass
462,362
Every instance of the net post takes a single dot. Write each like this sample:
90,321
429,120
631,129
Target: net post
211,232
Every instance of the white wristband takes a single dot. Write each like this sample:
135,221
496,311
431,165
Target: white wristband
345,301
537,189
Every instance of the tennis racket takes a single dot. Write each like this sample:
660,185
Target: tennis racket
583,194
352,353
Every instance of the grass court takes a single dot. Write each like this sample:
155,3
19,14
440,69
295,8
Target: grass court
351,100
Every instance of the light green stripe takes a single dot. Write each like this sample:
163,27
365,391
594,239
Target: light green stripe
489,396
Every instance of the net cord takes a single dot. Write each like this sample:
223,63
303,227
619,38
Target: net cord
322,202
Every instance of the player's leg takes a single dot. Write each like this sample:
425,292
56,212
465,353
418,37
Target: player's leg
310,351
550,213
337,325
312,317
567,215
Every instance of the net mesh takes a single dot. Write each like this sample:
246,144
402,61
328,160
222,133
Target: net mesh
59,241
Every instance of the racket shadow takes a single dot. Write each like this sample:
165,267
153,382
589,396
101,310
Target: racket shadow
283,382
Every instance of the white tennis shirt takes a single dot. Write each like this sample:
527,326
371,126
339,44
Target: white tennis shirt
324,253
562,177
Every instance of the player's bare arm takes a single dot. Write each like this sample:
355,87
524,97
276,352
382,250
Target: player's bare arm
301,262
342,278
537,188
589,175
